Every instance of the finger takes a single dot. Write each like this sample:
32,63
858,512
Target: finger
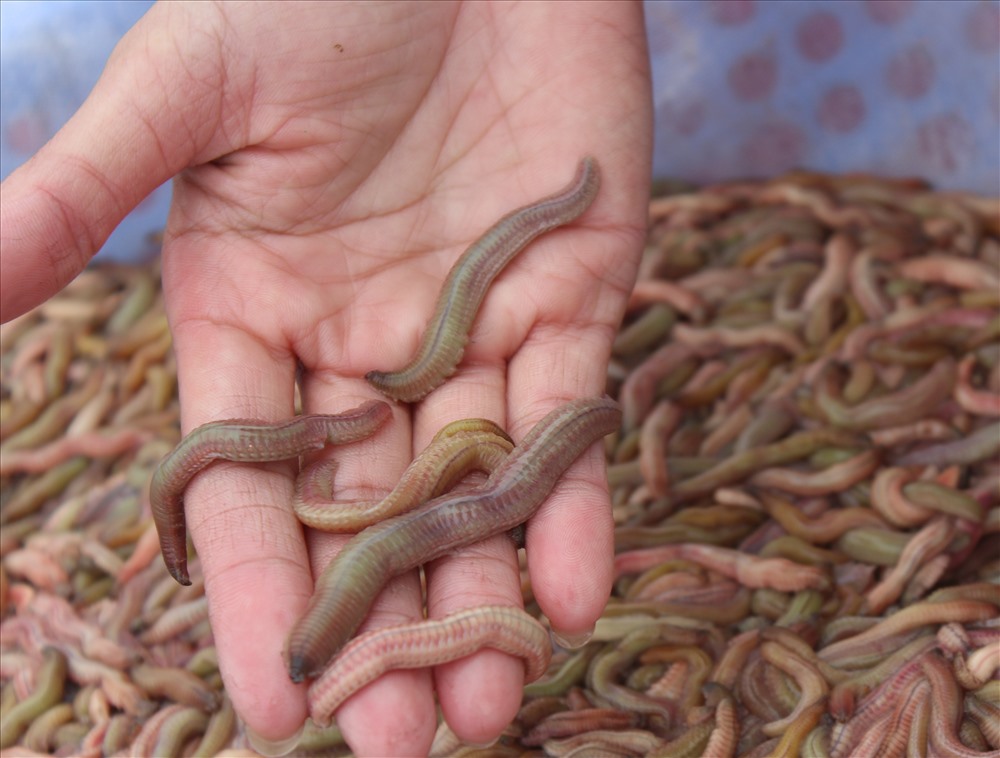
395,714
257,575
131,134
570,540
479,694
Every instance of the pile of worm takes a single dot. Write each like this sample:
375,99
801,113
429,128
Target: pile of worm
806,489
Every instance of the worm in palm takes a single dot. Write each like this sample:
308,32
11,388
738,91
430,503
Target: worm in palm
459,448
445,337
348,587
243,441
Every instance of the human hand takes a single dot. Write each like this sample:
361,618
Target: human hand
332,162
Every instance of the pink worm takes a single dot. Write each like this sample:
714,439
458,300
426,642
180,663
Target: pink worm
428,643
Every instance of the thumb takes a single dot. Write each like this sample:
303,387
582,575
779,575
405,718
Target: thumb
133,133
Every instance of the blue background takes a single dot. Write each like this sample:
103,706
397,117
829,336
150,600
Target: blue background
742,88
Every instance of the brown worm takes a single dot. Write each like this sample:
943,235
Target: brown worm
444,340
459,448
244,441
512,494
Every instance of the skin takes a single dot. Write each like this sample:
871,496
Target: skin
332,161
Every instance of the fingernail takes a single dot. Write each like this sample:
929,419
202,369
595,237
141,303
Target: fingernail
273,748
572,641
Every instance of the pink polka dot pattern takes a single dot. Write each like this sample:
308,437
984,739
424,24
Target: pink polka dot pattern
731,12
888,12
684,119
663,27
982,28
741,88
842,109
895,87
910,72
819,36
753,76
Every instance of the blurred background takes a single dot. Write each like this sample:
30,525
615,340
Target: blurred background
742,89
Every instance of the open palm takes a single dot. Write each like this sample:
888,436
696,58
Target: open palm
333,162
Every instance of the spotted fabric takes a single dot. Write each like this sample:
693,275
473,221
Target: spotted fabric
742,88
749,88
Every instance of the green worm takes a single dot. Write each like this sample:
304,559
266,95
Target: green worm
514,491
246,441
444,340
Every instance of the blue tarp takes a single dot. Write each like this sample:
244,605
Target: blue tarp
742,88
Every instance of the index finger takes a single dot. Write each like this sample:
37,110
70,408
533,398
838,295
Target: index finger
251,547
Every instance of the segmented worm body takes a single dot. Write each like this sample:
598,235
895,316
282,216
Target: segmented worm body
427,643
463,291
245,441
348,587
48,691
459,448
